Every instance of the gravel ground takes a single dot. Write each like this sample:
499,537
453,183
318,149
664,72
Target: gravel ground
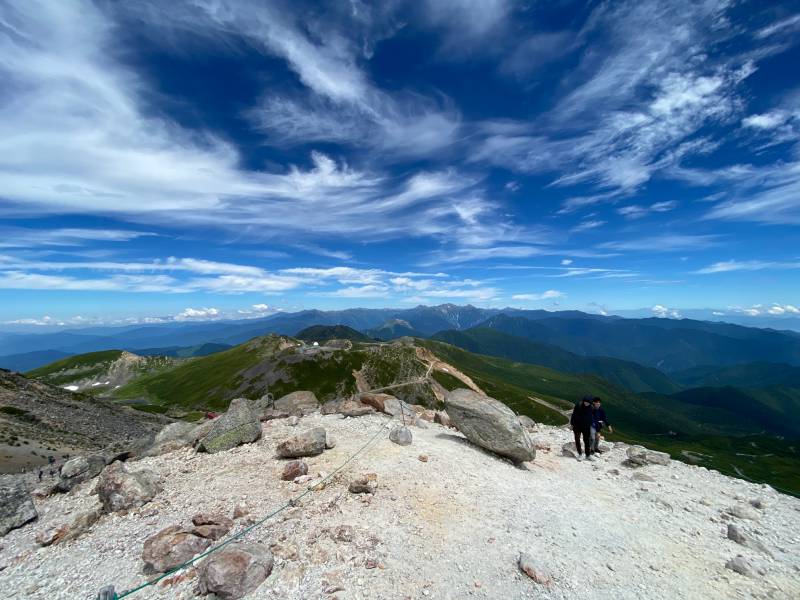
449,528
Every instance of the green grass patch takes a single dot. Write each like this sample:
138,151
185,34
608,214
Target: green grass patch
447,381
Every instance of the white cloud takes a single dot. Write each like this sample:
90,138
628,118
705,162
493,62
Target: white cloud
636,98
746,265
566,262
662,312
21,237
757,310
198,314
637,212
586,225
664,243
549,294
76,134
768,120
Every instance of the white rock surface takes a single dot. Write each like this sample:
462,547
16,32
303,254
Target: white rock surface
450,528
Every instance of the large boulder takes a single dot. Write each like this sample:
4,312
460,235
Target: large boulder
526,421
171,547
489,424
172,437
638,456
79,469
308,443
70,530
120,489
239,425
297,404
16,504
235,571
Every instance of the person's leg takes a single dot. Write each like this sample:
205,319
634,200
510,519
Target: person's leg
577,440
592,436
587,442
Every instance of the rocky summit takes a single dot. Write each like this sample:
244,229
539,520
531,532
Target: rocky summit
441,517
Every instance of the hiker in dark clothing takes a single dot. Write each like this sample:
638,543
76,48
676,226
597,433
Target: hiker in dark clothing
599,420
581,421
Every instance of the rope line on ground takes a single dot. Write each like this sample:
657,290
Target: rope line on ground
245,531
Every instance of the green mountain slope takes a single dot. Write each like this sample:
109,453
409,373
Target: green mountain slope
625,374
280,365
322,333
98,373
393,329
666,344
748,375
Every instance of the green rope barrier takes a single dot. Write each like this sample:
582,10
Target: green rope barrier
245,531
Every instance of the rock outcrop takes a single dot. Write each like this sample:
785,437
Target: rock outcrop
489,424
16,504
239,425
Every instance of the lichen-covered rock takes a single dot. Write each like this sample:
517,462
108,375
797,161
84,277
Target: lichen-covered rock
297,404
16,504
239,425
308,443
171,547
235,571
120,489
489,424
79,469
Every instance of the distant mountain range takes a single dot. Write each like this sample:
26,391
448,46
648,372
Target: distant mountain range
670,345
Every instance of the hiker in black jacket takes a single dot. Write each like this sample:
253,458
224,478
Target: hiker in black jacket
581,421
599,421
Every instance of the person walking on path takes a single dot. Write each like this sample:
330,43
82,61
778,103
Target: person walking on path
599,420
581,422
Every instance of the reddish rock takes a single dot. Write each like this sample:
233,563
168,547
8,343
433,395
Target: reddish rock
212,527
294,469
171,547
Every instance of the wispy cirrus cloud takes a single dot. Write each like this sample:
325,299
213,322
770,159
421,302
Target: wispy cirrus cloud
76,136
730,266
548,295
636,211
26,237
664,243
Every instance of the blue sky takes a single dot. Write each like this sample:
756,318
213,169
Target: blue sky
226,158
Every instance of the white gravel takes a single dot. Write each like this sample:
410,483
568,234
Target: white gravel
449,528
